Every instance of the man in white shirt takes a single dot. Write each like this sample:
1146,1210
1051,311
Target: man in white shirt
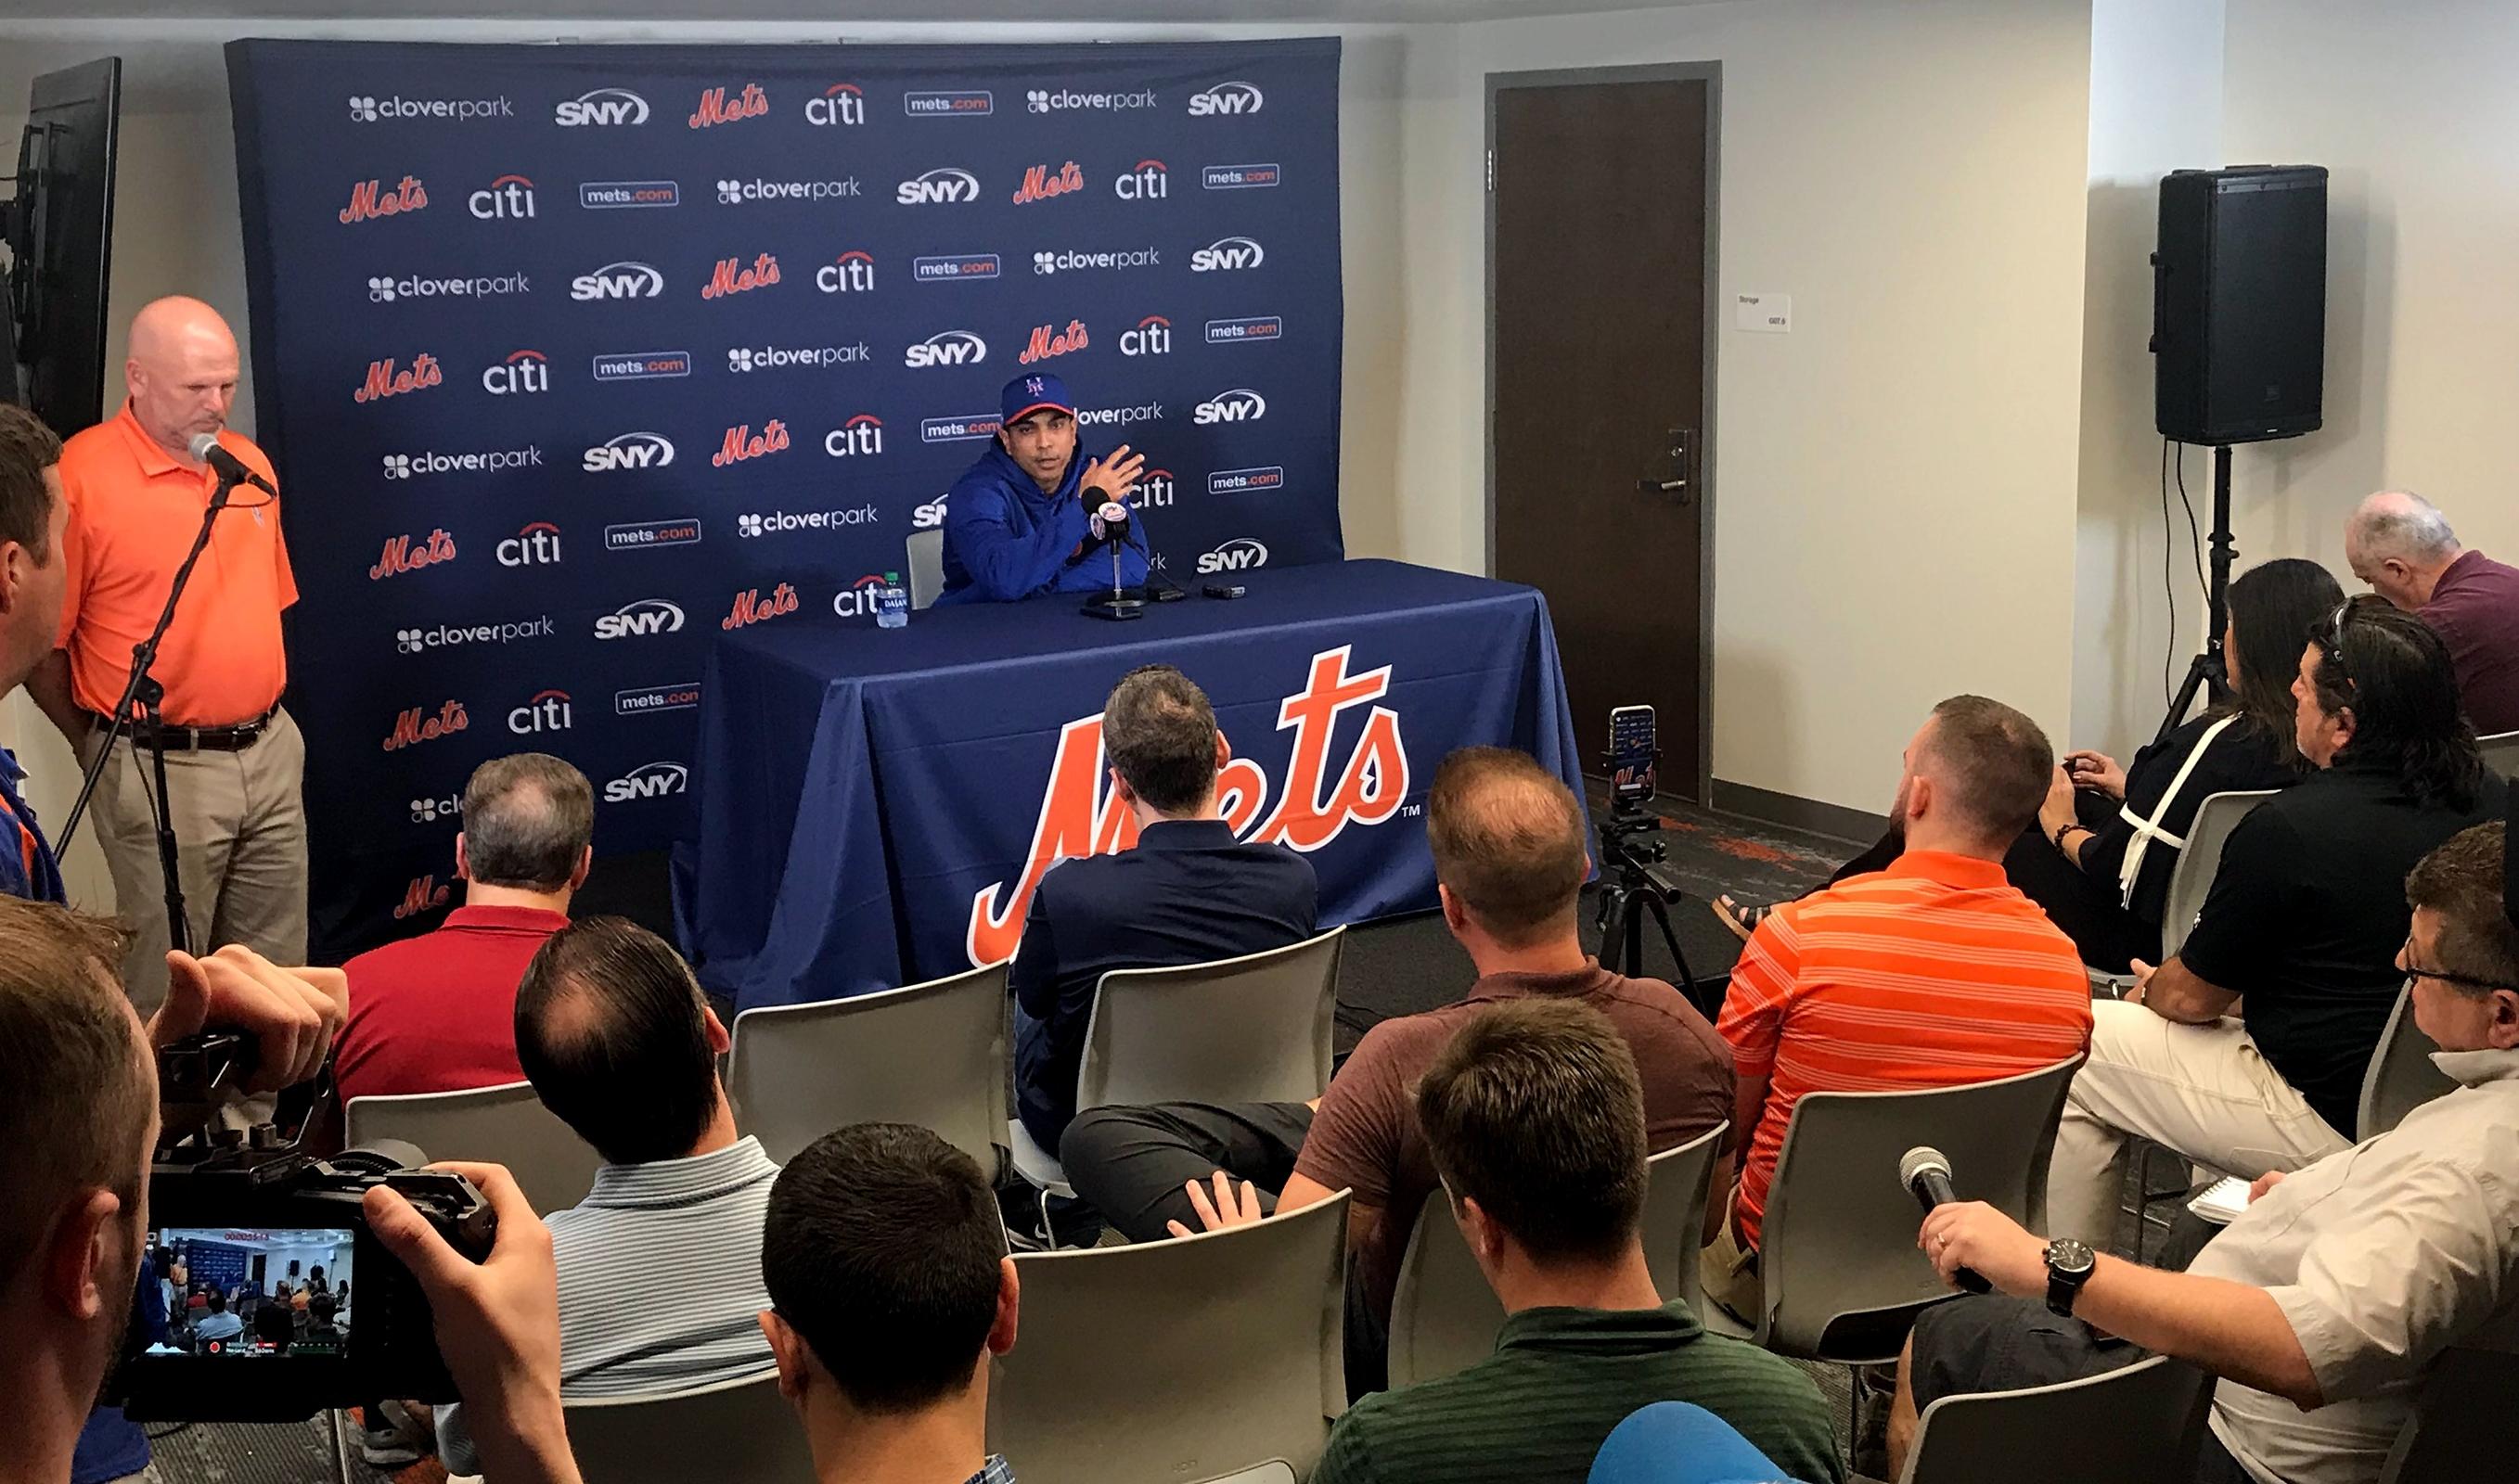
2325,1306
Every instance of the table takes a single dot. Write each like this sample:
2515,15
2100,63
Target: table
874,806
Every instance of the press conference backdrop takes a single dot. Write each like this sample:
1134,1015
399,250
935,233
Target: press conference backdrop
573,358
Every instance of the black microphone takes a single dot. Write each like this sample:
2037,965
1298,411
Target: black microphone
227,466
1924,1171
1109,518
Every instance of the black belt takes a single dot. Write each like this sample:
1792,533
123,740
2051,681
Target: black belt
216,739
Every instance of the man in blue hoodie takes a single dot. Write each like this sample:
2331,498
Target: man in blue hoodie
1018,524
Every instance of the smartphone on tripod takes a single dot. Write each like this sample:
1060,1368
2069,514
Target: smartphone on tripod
1635,755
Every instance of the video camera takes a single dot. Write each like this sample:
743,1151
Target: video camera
300,1307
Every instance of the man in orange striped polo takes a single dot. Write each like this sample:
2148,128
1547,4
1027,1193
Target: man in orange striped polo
1933,973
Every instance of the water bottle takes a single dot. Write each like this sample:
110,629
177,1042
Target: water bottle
892,608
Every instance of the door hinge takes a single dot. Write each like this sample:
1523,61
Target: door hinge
1491,172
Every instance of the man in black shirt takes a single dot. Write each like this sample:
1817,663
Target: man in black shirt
1188,893
2245,1052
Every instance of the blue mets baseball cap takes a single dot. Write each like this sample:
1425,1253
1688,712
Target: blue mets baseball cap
1029,393
1678,1443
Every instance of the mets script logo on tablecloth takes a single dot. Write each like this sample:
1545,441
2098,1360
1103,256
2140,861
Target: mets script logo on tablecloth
1078,819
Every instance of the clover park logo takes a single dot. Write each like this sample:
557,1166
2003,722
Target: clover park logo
397,465
748,525
729,193
382,291
364,110
431,810
1044,262
1038,101
409,640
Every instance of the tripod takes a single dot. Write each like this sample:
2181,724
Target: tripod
1640,884
2210,668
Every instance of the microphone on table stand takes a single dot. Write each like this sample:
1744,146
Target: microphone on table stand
1109,524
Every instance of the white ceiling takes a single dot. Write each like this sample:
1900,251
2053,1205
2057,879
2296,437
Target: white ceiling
528,12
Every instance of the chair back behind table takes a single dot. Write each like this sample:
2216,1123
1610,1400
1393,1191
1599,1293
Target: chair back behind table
1193,1358
933,1055
2139,1422
2402,1075
924,552
2191,879
1250,1030
507,1124
1443,1316
2502,752
735,1432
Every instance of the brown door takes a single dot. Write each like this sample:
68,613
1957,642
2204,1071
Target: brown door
1598,207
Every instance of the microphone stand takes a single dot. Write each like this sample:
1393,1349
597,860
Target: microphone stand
143,691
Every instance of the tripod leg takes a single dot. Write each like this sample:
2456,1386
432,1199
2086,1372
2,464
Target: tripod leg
178,931
1687,976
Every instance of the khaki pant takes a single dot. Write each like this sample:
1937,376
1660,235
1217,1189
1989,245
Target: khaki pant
2204,1091
1728,1273
241,849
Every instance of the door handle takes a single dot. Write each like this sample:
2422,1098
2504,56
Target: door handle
1665,486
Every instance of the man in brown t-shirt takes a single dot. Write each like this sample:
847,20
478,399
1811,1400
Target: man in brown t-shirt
1510,857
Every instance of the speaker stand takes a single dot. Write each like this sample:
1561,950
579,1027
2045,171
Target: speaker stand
2210,668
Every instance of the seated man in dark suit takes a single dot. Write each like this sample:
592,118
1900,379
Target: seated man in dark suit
1188,893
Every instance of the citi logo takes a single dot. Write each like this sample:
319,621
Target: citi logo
628,450
510,197
861,598
944,186
604,107
742,443
841,106
416,725
401,556
1154,492
1044,345
1239,555
491,461
431,811
1227,255
369,201
971,104
648,780
1240,405
731,279
618,281
390,290
1225,99
929,516
946,347
850,273
1152,336
716,108
536,546
750,607
862,435
547,711
423,895
639,618
522,374
1039,185
367,110
1145,180
383,380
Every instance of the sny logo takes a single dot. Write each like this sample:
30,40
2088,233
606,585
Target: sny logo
628,450
648,780
603,106
749,608
536,546
1240,405
742,443
1153,337
369,201
1044,345
522,373
545,710
1145,180
1226,97
852,272
941,186
423,895
638,619
1039,185
862,434
728,279
842,104
618,281
415,725
946,347
1227,255
1240,554
1077,817
386,382
510,197
751,103
399,558
929,516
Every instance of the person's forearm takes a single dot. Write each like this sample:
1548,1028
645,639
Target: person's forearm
2175,992
522,1442
50,686
2230,1328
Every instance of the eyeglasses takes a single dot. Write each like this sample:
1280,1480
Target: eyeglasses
2461,980
2329,637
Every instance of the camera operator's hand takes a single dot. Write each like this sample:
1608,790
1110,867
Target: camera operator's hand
497,1324
291,1014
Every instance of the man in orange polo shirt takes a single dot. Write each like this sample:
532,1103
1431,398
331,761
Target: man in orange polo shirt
234,759
1933,973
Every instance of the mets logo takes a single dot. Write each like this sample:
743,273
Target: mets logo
1078,818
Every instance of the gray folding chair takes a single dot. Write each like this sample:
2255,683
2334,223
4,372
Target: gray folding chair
924,551
1443,1316
2141,1421
2502,752
932,1055
2403,1075
2190,880
735,1432
507,1124
2459,1431
1836,1254
1193,1358
1248,1029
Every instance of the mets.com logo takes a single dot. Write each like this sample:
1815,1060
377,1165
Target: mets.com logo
1047,101
642,365
933,103
1078,817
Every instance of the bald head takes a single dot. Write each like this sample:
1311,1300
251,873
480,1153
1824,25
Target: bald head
1509,845
181,371
2400,544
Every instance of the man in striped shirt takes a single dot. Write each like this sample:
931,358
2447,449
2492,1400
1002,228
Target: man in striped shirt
1933,973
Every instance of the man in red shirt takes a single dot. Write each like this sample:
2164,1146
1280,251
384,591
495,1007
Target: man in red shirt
437,1013
2403,547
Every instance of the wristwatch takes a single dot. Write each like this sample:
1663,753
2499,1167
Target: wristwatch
2068,1267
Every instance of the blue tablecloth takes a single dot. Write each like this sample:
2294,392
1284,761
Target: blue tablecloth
873,805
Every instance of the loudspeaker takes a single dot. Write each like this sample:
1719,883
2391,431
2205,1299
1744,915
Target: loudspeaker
2238,315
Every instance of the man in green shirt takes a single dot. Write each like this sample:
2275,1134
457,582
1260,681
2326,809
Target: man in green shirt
1534,1115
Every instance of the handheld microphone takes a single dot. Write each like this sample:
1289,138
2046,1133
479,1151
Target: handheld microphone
1924,1171
227,466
